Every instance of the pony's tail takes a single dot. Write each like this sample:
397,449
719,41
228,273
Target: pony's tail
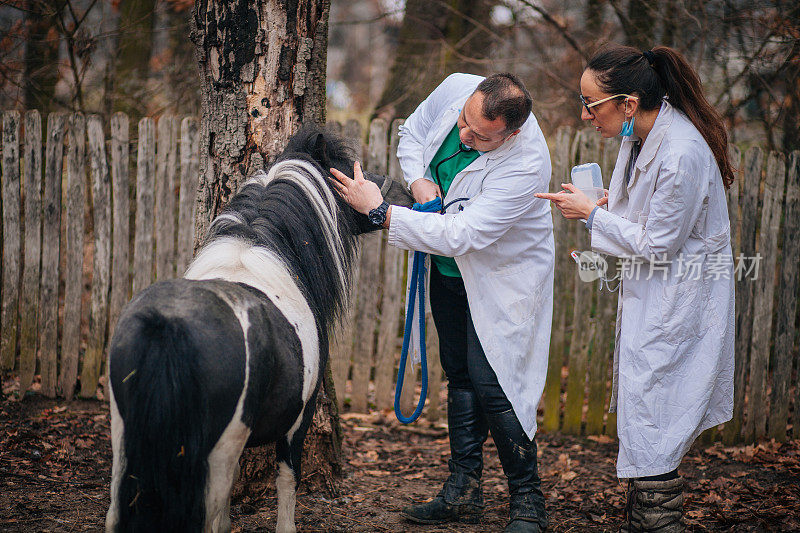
163,486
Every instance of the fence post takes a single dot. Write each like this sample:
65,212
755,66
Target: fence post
188,192
552,390
750,183
101,202
605,315
366,319
51,242
143,244
583,325
11,241
29,312
787,308
73,270
166,170
377,163
120,199
756,426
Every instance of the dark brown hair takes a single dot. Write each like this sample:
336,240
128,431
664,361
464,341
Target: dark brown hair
661,72
504,95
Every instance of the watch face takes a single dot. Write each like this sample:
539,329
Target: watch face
376,216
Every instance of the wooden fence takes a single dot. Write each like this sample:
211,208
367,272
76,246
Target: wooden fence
77,244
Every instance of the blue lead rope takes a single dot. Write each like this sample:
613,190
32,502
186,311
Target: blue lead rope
416,286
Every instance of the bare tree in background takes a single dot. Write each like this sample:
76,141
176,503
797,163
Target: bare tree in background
437,38
262,64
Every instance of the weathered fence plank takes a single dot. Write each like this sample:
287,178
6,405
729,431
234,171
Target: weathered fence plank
389,286
607,302
143,243
352,132
344,344
750,183
552,391
366,319
101,268
188,192
11,240
51,244
433,408
29,312
756,426
120,199
166,171
583,325
390,320
73,265
732,196
343,341
787,308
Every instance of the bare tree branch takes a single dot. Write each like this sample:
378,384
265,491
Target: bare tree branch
561,28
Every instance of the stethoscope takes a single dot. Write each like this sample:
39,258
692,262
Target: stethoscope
461,148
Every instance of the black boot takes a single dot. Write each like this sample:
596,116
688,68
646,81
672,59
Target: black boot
518,456
461,498
654,506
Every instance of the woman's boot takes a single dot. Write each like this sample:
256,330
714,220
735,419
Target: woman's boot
461,498
518,456
654,506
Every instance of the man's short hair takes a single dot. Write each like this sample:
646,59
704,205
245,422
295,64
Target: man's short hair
504,95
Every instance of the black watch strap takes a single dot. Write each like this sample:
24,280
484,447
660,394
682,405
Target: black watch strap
377,216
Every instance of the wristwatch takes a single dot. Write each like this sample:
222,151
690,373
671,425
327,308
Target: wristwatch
377,216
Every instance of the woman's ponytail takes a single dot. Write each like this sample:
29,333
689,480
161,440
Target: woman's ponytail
659,73
685,92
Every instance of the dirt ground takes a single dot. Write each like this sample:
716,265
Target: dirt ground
55,464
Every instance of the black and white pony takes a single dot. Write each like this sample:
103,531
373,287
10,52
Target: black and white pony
232,355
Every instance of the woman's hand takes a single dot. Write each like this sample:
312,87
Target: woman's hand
361,194
572,203
604,200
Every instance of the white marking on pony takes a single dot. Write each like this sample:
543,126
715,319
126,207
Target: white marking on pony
324,204
287,499
223,460
118,463
236,219
231,259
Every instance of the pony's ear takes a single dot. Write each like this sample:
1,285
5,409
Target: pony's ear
319,149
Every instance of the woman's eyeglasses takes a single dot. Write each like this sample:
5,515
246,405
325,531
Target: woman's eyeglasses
589,105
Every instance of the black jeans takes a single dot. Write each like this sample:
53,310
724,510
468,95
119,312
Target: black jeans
460,350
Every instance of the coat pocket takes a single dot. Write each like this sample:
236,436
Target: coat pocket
683,307
518,291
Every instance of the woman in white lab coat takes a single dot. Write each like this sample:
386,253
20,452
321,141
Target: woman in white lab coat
667,221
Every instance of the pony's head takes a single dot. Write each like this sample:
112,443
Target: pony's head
327,150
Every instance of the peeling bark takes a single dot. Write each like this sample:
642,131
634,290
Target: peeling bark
263,74
262,65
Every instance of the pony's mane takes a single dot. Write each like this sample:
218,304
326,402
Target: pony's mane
292,213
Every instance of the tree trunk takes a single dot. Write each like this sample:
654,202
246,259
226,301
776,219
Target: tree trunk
437,38
262,66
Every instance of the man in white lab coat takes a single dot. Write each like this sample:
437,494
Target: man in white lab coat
475,142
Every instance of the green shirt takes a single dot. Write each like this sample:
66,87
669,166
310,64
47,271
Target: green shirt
447,172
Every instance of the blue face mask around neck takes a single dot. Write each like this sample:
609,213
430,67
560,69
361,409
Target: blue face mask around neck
627,128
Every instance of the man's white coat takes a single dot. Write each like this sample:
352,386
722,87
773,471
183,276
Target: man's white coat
501,237
673,362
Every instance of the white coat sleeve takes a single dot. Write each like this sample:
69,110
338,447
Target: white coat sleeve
674,209
500,204
414,130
